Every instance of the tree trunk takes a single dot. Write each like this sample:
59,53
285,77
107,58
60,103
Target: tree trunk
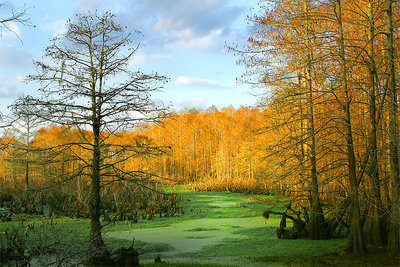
97,249
394,229
356,238
374,226
316,227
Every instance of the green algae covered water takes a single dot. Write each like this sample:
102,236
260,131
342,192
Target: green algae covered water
220,228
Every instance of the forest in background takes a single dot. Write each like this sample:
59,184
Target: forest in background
206,148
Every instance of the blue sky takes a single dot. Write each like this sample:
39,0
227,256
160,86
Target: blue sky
182,39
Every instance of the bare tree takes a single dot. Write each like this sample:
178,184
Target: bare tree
16,15
86,84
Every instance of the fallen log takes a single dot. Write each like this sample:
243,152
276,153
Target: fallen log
299,226
301,220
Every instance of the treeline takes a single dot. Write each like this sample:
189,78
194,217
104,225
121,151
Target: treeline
212,149
47,175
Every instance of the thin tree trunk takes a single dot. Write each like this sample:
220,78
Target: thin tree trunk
356,238
28,150
373,227
394,229
316,226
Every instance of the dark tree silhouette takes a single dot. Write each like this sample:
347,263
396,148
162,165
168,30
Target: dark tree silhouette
15,15
86,84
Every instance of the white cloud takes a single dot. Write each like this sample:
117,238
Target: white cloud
56,28
177,14
177,24
13,32
167,24
186,34
185,40
190,81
